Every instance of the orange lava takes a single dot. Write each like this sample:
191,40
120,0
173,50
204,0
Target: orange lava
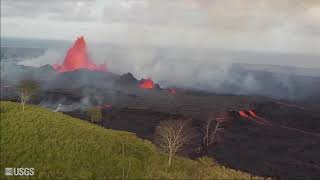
172,91
147,84
243,114
253,114
77,58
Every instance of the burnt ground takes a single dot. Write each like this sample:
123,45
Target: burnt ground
269,151
288,148
140,121
266,150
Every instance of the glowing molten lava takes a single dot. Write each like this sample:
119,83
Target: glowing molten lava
243,114
253,114
147,84
172,91
77,58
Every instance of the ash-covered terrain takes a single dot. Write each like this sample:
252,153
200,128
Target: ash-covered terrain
273,128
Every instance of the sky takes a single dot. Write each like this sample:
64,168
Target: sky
291,26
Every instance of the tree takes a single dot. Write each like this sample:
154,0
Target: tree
27,89
94,114
173,135
210,128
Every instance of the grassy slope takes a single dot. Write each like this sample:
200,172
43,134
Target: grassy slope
57,145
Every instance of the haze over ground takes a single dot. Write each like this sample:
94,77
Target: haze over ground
173,40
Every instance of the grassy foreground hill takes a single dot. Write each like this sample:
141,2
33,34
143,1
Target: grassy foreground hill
59,146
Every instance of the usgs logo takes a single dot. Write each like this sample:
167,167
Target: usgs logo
19,171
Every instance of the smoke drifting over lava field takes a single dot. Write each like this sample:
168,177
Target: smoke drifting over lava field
273,114
215,70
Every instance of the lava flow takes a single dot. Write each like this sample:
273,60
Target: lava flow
172,91
243,114
147,84
77,58
253,114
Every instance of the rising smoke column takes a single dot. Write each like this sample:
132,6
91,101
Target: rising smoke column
77,58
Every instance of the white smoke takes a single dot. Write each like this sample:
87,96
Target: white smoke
49,57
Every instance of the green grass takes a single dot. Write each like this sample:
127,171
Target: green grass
59,146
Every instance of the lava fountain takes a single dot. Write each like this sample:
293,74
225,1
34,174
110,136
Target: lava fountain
77,58
146,84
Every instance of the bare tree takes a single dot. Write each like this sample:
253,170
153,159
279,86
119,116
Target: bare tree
211,127
27,89
94,114
173,135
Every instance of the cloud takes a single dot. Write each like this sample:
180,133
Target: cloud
59,9
154,13
260,25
